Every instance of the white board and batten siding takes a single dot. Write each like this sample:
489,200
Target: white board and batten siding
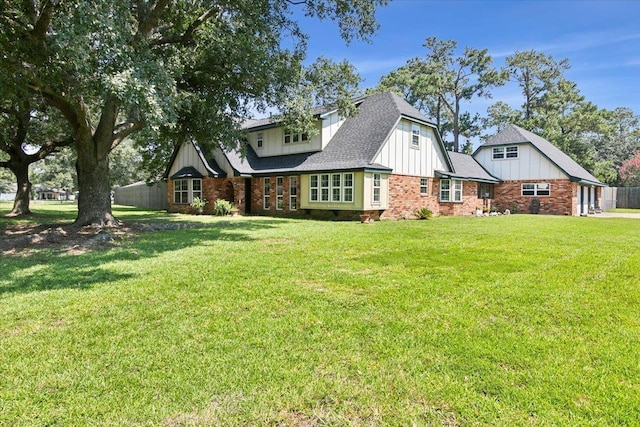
399,154
330,125
529,165
273,142
188,156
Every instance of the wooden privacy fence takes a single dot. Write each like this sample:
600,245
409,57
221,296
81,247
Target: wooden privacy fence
609,195
628,197
142,195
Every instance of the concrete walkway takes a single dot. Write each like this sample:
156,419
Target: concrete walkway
615,215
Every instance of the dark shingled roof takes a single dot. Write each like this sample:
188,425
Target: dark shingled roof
187,172
467,168
513,134
354,145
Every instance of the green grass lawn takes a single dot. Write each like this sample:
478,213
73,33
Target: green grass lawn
515,320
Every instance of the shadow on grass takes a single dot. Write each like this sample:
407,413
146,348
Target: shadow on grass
50,270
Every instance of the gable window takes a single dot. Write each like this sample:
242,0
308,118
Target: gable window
450,190
424,185
335,187
279,193
266,193
293,193
292,138
505,152
415,136
536,189
184,190
511,152
376,188
259,140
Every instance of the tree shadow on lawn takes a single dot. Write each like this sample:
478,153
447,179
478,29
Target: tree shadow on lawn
49,269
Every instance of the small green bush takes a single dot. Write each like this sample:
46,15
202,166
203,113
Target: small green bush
423,213
199,203
222,207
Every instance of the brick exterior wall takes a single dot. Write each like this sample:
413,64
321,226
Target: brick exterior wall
563,198
229,189
405,198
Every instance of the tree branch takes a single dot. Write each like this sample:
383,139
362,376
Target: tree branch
188,34
123,130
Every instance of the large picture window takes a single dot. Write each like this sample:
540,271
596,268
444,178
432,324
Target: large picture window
450,190
536,189
335,187
184,190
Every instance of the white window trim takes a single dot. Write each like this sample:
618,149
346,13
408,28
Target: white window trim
293,193
295,138
455,191
266,193
189,190
424,186
415,137
502,152
331,187
377,189
279,193
538,187
260,140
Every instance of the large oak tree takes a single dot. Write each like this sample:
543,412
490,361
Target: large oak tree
164,70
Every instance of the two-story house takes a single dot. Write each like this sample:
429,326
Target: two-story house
385,161
537,176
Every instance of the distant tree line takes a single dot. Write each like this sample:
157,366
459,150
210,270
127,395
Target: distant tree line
444,82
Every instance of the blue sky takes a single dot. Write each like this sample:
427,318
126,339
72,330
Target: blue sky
601,40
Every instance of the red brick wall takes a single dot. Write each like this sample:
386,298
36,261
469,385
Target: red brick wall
562,200
405,198
229,189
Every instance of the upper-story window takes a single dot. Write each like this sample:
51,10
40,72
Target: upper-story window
292,138
505,152
415,136
259,140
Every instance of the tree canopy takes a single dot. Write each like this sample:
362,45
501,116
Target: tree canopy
164,70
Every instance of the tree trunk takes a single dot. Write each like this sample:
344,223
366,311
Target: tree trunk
92,166
23,194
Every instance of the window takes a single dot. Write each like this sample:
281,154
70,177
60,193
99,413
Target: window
266,193
424,185
181,191
324,188
295,137
313,188
279,193
536,189
259,140
450,190
512,152
335,187
415,136
376,188
196,188
348,187
184,190
293,193
505,152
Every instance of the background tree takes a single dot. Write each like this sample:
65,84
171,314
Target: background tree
175,70
630,171
27,136
441,82
57,171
